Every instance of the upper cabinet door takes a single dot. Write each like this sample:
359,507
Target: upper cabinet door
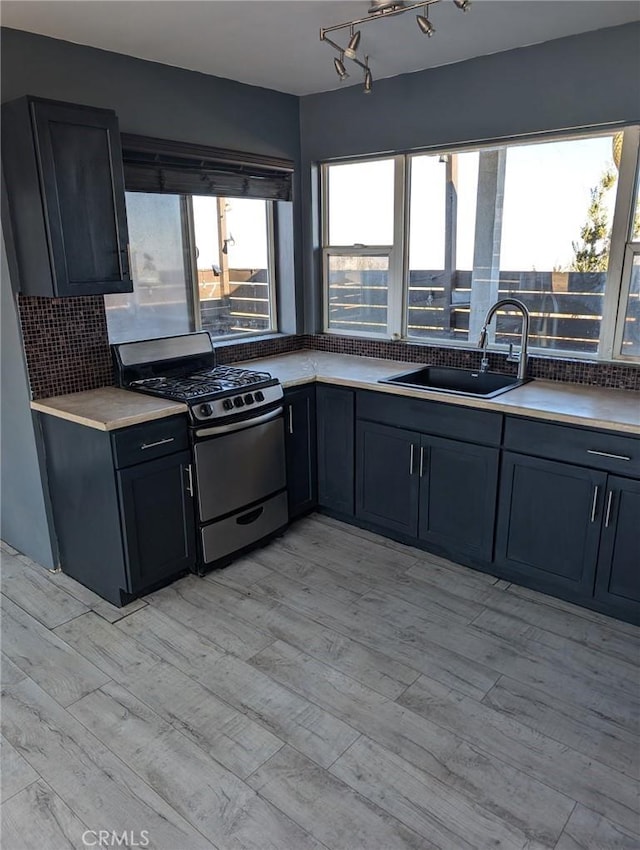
63,166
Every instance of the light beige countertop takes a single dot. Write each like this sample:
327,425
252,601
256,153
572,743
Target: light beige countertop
616,410
108,408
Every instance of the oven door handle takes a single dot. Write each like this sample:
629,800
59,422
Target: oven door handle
239,426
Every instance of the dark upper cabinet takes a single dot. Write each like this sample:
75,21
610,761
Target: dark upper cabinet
335,418
65,188
157,519
549,519
300,444
458,488
387,479
618,576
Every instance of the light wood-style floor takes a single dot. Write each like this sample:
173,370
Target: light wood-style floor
332,690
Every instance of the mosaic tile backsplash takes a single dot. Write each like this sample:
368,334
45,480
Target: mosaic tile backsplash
67,350
65,343
613,375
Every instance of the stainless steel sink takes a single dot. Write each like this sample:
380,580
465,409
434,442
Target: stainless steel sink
447,379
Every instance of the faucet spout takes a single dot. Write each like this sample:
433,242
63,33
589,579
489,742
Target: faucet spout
524,337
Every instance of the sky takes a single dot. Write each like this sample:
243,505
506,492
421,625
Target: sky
546,198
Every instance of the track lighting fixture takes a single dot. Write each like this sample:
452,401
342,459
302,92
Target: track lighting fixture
379,9
341,71
368,81
425,25
354,41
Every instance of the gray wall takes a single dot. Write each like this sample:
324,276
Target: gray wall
583,80
149,98
22,507
158,100
152,100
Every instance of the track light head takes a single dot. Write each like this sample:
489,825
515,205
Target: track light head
354,41
368,82
463,5
425,25
341,71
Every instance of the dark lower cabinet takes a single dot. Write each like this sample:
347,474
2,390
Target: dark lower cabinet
549,519
300,444
458,486
387,481
618,575
440,491
122,504
335,419
157,519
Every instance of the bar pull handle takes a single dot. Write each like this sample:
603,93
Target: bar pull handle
252,516
291,419
608,513
421,461
189,479
411,459
158,443
607,454
594,504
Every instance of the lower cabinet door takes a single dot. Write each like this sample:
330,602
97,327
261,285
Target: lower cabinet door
157,519
458,485
549,521
387,478
300,444
335,417
618,575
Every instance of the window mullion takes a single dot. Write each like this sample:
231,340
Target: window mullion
272,271
612,308
191,261
397,257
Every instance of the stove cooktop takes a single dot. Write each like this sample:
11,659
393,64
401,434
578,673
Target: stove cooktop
203,385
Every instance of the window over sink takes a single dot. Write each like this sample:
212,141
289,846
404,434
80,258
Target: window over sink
419,246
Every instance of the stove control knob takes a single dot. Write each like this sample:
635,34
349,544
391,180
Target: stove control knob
238,401
259,396
248,399
227,404
205,410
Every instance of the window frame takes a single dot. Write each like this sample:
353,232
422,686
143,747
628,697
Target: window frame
632,250
272,274
621,252
191,269
396,256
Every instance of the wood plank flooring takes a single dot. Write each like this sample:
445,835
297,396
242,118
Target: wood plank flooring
331,691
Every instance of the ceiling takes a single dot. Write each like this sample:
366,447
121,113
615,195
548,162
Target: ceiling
275,43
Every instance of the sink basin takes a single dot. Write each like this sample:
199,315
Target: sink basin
447,379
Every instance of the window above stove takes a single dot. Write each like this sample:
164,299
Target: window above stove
198,263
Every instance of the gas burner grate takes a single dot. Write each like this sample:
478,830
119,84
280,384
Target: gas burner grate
204,383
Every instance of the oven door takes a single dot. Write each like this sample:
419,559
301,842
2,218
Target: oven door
242,465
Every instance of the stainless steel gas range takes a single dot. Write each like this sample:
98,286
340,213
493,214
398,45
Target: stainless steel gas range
237,438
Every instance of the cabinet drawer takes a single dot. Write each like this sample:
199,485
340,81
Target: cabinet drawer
596,449
431,417
149,441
